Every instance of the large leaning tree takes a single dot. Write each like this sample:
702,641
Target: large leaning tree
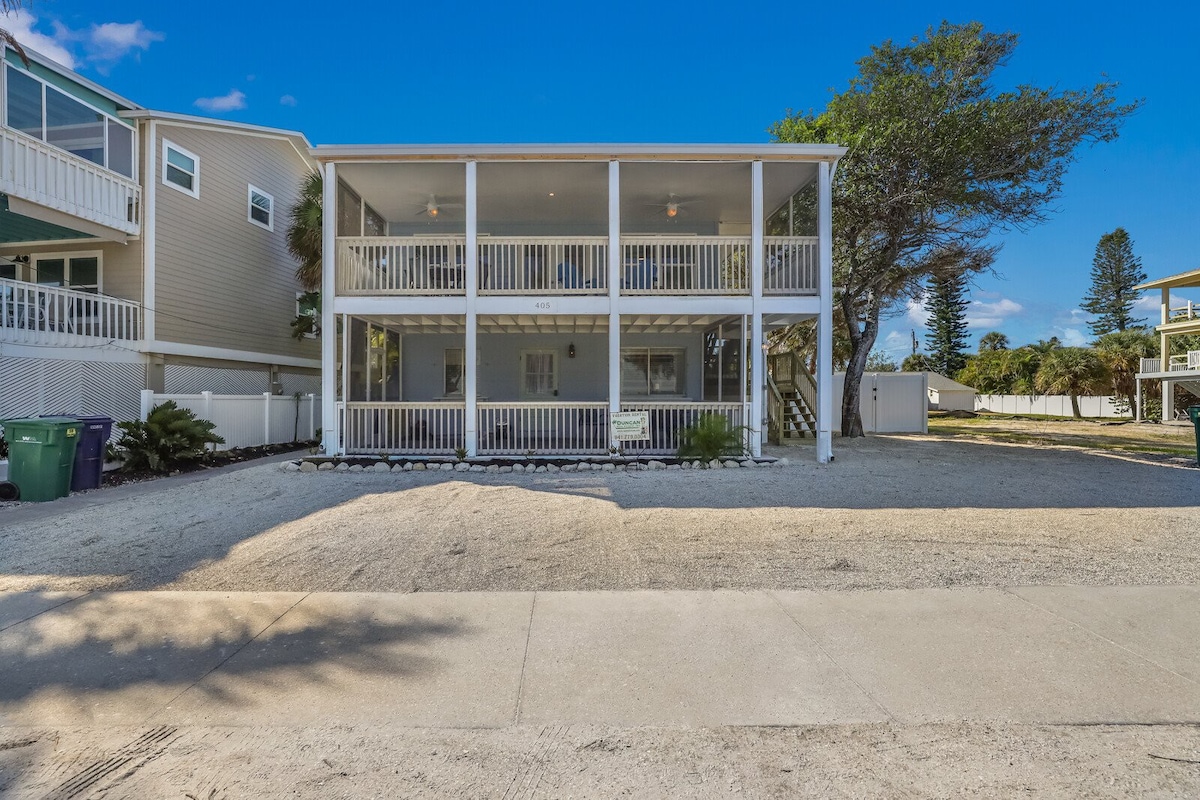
939,160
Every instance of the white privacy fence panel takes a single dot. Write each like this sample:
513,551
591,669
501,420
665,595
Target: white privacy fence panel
1054,405
889,402
248,420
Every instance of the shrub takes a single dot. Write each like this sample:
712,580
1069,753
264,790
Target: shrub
170,437
712,437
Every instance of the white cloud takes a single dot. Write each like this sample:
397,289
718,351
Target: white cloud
103,44
109,42
1072,337
20,25
989,315
230,102
287,100
916,312
1151,301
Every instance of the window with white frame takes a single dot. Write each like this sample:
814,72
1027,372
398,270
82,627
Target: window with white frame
648,371
44,112
181,169
308,315
260,208
454,374
80,272
539,374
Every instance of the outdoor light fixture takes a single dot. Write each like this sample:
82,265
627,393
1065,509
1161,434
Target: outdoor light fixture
432,210
672,210
571,350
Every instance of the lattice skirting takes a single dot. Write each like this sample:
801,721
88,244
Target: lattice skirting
189,379
31,387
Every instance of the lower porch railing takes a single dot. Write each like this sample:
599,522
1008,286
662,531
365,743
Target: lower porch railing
669,419
543,428
418,428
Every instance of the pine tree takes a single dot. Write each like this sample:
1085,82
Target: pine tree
947,335
1115,271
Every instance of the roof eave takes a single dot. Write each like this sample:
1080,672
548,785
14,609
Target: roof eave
1180,281
588,151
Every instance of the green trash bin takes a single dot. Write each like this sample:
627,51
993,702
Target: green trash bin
41,455
1194,413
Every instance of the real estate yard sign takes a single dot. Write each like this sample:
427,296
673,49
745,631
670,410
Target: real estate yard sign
629,426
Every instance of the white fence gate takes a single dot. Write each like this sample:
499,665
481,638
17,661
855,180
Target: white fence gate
249,420
889,402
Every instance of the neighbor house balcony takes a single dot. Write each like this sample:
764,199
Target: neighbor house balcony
49,315
48,176
561,266
1182,363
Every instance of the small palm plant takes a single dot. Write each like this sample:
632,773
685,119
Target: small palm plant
712,437
170,437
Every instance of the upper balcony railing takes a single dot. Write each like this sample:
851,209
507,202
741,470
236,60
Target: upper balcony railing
42,173
48,315
1181,363
511,265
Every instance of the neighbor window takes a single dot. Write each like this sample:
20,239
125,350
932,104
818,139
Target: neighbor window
261,208
181,169
652,371
47,113
453,385
8,271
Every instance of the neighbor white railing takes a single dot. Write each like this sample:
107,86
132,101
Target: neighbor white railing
685,265
544,265
1181,363
1150,365
1187,311
248,420
668,419
790,265
419,428
404,265
543,428
42,173
35,314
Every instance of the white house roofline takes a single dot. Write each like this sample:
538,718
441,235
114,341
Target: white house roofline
298,139
586,152
1181,280
54,66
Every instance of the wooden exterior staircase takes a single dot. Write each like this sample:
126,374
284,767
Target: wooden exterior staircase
791,398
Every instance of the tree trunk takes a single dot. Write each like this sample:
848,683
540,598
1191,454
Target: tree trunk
1075,406
861,342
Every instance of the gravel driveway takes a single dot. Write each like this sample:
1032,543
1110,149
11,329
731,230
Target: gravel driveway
891,512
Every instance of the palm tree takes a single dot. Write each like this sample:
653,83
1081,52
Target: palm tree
6,38
995,340
1122,352
1072,371
305,232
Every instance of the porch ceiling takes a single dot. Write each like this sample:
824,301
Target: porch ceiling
568,323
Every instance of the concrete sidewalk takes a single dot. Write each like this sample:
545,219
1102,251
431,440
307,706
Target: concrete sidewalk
480,660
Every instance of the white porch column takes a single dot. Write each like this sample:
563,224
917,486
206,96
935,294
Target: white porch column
825,316
1137,399
1164,353
471,274
758,338
330,441
614,288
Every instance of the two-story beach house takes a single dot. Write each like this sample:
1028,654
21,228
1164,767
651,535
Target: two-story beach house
1183,369
140,249
509,299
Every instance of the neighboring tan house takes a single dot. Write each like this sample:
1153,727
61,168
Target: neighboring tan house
509,299
140,249
1181,370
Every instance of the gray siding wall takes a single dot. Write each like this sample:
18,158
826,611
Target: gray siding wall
583,378
220,280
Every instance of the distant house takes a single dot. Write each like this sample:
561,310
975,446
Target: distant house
1181,370
949,395
140,249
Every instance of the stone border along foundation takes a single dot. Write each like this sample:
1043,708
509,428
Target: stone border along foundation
509,465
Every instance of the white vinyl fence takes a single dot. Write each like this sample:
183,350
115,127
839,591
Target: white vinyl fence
249,420
1052,405
889,402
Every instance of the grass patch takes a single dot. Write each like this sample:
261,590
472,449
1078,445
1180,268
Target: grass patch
1166,440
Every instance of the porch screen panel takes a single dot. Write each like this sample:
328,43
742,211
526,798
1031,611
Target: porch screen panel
74,127
24,103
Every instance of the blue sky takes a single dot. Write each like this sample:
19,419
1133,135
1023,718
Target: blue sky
671,72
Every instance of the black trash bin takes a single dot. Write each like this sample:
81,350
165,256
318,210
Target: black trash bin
89,454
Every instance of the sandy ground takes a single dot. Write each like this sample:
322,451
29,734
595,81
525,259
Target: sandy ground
839,761
890,513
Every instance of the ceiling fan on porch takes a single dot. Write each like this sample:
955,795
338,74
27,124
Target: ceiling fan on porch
674,205
431,207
